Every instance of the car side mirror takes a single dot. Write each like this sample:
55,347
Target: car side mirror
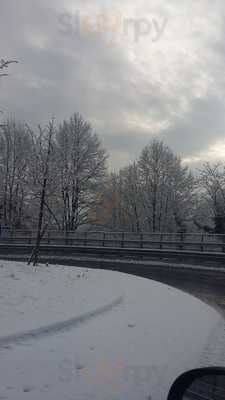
199,384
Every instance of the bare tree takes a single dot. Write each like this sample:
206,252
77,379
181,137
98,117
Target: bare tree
154,194
126,192
15,150
66,182
167,189
4,64
155,165
111,213
212,184
82,167
181,195
58,178
44,153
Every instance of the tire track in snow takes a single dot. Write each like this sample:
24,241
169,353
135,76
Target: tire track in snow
58,327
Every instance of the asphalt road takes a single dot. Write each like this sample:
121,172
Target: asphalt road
209,286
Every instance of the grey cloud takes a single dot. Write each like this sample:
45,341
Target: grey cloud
59,74
193,134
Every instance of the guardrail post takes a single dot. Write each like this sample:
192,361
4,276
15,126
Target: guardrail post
85,238
141,240
122,240
181,241
161,241
202,241
66,237
223,246
103,240
48,237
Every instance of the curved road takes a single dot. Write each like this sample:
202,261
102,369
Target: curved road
205,283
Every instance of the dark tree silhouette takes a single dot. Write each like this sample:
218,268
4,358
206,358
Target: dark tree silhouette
4,64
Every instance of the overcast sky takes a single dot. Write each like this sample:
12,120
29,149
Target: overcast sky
143,69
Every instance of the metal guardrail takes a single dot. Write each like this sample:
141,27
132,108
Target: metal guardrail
114,253
161,241
144,246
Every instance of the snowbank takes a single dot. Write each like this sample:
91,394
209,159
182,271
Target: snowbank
72,333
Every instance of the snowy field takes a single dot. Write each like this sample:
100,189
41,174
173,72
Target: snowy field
78,334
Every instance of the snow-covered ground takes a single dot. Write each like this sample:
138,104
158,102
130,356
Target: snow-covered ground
32,297
72,333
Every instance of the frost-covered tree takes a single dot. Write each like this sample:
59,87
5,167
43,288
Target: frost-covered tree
81,169
167,188
43,155
131,190
125,200
212,194
15,162
154,194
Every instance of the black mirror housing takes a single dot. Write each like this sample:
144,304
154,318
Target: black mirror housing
183,382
